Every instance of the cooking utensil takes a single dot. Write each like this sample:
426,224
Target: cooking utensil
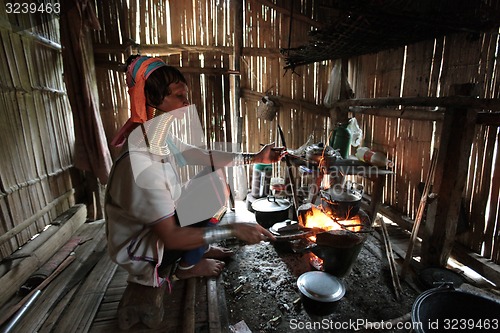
342,201
289,230
447,305
325,155
271,210
320,292
290,174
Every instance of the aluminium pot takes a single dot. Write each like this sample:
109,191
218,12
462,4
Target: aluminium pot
342,201
271,210
320,292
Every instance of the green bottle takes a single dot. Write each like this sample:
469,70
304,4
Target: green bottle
341,139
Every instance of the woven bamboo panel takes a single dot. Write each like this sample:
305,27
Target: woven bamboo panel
37,128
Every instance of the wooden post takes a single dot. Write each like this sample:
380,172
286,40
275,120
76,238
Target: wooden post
451,171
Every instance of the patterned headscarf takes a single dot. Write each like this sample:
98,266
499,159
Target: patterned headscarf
137,74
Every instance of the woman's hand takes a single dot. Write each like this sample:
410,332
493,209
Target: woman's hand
251,233
270,154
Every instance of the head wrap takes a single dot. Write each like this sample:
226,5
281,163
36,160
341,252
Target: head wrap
137,74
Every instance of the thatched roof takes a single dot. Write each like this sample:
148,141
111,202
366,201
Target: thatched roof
367,26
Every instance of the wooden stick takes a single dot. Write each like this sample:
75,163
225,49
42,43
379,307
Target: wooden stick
42,285
29,221
188,324
420,213
392,264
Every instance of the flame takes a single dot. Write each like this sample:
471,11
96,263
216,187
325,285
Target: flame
317,218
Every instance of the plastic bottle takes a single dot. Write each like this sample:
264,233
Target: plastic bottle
375,158
261,178
341,139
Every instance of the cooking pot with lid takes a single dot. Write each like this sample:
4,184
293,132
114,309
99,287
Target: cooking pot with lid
320,292
342,201
271,210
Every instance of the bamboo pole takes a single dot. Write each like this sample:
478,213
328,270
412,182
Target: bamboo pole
420,213
40,287
390,258
23,225
15,278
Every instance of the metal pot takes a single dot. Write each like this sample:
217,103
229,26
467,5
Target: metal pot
435,308
320,292
317,153
342,201
271,210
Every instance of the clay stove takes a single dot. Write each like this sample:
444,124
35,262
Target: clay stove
338,242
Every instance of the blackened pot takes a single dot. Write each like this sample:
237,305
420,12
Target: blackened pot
342,201
320,292
445,309
271,210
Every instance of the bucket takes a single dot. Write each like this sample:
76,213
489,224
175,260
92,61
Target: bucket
447,309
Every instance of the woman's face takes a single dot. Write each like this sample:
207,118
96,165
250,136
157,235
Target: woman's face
177,99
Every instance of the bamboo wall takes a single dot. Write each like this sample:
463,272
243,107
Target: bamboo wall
36,133
429,69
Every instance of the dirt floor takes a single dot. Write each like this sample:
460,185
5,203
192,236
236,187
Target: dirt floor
261,290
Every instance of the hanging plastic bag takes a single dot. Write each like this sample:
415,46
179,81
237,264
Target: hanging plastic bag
333,91
356,132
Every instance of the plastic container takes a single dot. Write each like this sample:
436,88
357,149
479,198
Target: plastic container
367,155
261,179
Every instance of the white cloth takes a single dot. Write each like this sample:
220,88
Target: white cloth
140,193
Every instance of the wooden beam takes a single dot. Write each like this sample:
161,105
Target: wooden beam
296,103
492,104
168,49
456,139
118,66
261,52
481,265
298,17
159,49
404,113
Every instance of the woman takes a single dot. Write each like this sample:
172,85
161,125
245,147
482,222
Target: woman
144,234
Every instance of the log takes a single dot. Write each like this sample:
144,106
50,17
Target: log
15,278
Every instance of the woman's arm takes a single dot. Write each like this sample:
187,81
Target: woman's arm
187,238
268,154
